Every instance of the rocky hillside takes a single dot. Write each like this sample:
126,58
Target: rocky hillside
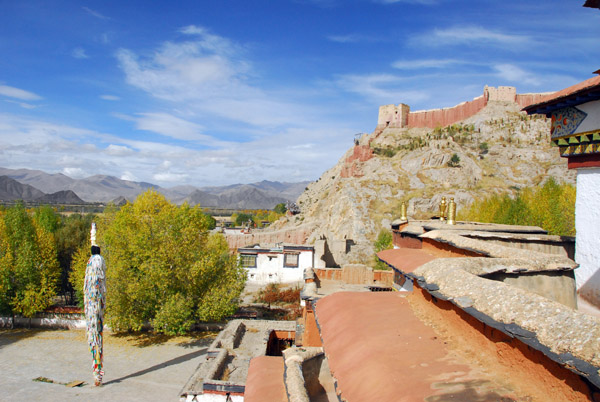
500,150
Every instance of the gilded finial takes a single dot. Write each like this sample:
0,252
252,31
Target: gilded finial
452,212
403,211
443,209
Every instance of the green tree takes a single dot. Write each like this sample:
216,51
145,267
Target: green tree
163,267
47,218
383,242
28,265
72,234
280,208
242,218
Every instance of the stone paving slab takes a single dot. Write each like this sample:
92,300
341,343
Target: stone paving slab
139,367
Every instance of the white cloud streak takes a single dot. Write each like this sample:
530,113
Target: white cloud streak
512,73
425,63
79,53
18,93
209,77
95,13
110,97
380,88
472,35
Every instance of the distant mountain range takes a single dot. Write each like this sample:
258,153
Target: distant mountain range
12,190
35,185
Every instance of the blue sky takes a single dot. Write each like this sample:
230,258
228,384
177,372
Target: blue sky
222,92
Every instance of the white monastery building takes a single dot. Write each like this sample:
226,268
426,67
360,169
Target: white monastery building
279,264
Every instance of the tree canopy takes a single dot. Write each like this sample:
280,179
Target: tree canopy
163,267
550,206
29,268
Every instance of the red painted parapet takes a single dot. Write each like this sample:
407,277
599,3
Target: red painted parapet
447,116
525,100
398,116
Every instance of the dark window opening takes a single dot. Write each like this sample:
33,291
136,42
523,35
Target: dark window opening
248,260
290,260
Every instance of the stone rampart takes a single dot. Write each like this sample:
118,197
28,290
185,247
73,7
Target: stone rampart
529,99
446,116
401,116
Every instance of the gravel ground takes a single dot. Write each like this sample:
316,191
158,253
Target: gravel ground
141,367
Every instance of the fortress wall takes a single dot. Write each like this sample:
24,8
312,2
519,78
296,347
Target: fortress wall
504,94
292,236
446,116
400,116
529,99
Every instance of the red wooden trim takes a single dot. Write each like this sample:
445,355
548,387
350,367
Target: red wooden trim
584,161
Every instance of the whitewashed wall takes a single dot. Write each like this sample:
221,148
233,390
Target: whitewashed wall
587,224
270,269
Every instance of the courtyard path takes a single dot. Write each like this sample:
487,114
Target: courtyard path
141,367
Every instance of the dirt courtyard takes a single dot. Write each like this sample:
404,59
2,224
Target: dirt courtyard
137,367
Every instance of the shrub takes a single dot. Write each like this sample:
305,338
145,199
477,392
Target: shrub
454,161
383,242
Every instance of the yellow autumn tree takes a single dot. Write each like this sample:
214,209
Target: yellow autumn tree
550,206
163,267
29,269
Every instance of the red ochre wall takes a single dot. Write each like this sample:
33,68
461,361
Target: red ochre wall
447,116
444,117
529,99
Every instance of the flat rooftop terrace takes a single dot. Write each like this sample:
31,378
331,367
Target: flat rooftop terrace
396,346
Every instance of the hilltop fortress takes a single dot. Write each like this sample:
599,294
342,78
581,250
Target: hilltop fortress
400,116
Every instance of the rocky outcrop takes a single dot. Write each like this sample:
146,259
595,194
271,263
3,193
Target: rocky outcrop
362,194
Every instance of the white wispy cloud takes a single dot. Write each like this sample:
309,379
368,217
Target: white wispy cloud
18,93
119,150
424,2
24,105
380,88
170,177
110,97
95,13
425,63
126,175
75,172
80,152
459,35
79,53
352,38
209,76
170,126
512,73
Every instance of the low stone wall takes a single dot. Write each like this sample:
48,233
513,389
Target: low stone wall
55,321
223,373
562,335
355,274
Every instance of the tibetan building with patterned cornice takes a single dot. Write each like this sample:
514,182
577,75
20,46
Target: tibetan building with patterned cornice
575,130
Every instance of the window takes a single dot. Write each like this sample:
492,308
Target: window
290,260
248,260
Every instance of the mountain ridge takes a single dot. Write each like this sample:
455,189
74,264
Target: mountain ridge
104,188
